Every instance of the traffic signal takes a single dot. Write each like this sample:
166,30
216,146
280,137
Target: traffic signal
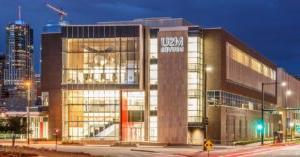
259,125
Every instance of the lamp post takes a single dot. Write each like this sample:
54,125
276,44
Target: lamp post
205,119
263,105
28,83
56,135
291,125
287,93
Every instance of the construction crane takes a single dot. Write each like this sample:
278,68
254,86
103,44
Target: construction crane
60,12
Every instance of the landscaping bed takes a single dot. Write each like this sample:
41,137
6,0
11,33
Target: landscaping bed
32,152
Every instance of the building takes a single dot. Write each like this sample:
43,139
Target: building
105,76
18,67
19,49
2,65
234,88
143,81
18,70
288,100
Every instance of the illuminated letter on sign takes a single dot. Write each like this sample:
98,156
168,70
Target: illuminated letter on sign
171,44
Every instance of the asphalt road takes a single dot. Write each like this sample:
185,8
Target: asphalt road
291,150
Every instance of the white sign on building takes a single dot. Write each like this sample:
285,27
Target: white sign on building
171,44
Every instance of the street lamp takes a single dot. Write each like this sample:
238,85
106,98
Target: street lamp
282,84
288,93
28,84
206,70
291,124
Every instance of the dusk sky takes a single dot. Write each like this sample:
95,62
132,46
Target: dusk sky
269,26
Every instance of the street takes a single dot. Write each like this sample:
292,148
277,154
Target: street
292,150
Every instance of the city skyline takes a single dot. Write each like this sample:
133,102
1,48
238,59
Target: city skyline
265,26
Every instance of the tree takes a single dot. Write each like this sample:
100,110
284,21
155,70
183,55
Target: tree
13,126
3,125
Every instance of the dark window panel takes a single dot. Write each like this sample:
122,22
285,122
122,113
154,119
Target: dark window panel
153,113
65,31
106,32
74,32
92,33
99,32
80,32
135,116
153,33
194,31
70,32
86,31
127,31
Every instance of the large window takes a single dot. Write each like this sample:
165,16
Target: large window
133,103
153,48
153,82
195,63
101,61
245,70
216,97
153,61
248,61
153,115
91,114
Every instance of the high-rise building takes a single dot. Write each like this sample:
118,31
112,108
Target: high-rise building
19,50
18,64
2,63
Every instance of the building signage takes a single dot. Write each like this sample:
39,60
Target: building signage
171,44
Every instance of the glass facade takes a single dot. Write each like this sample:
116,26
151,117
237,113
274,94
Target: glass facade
19,43
99,65
153,76
91,113
153,115
216,97
195,75
101,61
39,127
133,108
96,61
195,85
